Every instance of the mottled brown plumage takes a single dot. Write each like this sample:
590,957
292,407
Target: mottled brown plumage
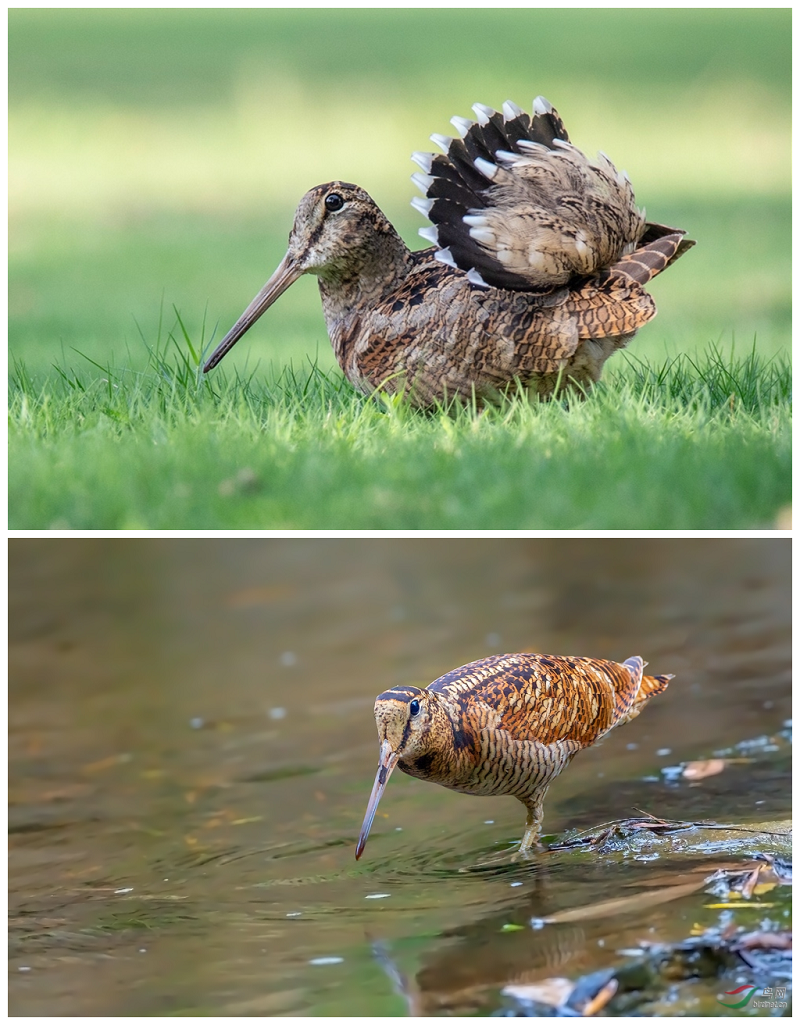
536,275
508,724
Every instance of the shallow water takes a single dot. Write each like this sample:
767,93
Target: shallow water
192,747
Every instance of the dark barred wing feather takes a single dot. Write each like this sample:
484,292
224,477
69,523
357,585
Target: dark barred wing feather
516,206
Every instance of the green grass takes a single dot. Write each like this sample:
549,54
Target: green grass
692,443
156,158
134,53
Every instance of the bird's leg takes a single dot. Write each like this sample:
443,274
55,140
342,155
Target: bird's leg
533,826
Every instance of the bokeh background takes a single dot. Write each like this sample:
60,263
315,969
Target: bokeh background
192,746
156,156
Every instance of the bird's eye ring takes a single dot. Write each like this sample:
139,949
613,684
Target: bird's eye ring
333,202
414,707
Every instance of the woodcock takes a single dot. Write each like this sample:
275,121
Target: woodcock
536,274
508,724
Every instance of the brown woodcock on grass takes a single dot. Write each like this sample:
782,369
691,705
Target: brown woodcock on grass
508,724
536,275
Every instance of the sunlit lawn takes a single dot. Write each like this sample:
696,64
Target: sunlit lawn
156,159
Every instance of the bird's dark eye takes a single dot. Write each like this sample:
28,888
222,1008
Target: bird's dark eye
414,707
333,202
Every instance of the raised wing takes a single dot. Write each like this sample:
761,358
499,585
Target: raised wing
516,205
549,697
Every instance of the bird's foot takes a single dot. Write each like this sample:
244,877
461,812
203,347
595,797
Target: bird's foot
529,852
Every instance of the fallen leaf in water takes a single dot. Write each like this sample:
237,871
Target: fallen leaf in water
699,770
553,992
768,873
739,904
674,878
106,763
777,869
599,1001
623,905
766,941
749,884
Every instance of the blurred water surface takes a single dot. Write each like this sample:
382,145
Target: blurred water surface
156,157
192,747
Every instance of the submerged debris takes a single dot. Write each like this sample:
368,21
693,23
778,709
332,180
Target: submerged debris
612,835
560,997
769,871
650,982
699,770
639,982
622,829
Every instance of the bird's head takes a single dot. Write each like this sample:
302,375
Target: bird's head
333,225
407,718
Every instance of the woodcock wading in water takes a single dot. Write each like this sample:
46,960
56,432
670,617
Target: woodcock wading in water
508,724
536,275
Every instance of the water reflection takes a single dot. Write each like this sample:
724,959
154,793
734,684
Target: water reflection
192,746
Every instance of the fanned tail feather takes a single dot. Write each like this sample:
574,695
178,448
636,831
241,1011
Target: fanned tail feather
631,699
614,302
652,685
648,260
516,206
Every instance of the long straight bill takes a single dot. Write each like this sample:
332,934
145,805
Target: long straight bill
388,760
285,275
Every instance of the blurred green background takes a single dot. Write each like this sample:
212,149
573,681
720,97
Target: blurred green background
157,155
